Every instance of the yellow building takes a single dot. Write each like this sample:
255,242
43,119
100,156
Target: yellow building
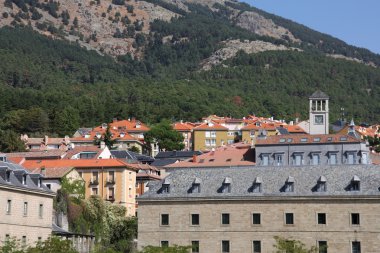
209,135
112,179
251,131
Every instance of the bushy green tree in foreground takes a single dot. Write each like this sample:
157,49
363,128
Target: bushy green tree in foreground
292,246
172,249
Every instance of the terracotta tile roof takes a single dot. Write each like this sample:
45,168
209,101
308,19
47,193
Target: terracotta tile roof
367,131
117,135
78,163
129,126
306,139
16,160
54,153
210,126
294,129
183,126
238,154
262,126
79,149
50,173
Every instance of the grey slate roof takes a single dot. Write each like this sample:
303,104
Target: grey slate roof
319,94
131,156
338,182
177,154
163,162
16,176
282,130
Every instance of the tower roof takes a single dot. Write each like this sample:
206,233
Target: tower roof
319,94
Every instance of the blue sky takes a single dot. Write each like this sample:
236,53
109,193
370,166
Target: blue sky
356,22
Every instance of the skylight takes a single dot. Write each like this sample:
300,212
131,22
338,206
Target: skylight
303,139
343,138
282,140
317,139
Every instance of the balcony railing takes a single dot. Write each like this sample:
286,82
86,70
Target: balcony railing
110,181
94,182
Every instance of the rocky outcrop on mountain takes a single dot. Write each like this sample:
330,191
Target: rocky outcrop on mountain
256,23
232,47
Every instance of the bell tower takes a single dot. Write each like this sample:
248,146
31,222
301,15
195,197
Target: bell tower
319,113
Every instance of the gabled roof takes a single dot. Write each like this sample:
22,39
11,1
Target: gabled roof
262,126
78,163
47,154
210,126
183,126
80,149
53,173
319,94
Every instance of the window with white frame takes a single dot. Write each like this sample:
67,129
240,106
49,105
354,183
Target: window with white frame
25,209
350,158
252,133
315,159
213,134
333,158
279,159
298,159
208,134
264,159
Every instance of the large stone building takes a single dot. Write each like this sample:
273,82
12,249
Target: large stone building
241,210
26,205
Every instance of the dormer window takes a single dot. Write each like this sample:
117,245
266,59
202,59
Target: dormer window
256,186
226,186
196,186
355,184
321,184
289,184
24,179
165,186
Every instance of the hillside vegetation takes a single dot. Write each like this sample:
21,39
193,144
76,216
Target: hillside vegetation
54,86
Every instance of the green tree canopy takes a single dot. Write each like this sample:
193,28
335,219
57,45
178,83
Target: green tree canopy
171,249
292,246
165,136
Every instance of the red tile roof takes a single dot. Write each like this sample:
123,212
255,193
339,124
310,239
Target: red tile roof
79,149
180,126
294,129
261,126
210,126
306,139
238,154
78,163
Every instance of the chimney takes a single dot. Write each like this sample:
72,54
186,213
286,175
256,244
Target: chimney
67,139
43,171
194,158
291,123
46,140
297,121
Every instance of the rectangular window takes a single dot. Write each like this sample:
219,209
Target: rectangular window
298,160
289,187
208,134
111,193
164,219
256,218
9,206
256,246
164,244
265,160
195,219
364,159
289,218
225,246
80,174
95,177
195,246
165,188
322,218
7,237
226,188
322,246
196,188
356,247
333,159
130,176
252,133
279,159
207,142
41,211
212,142
94,191
350,158
23,241
225,219
111,176
316,159
321,187
25,208
213,134
355,219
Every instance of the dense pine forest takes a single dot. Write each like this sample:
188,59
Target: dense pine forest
53,86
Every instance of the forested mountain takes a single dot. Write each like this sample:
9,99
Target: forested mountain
186,61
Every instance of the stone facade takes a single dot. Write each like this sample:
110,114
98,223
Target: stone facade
188,206
26,206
